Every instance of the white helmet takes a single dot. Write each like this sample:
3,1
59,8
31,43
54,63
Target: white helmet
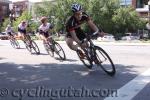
76,7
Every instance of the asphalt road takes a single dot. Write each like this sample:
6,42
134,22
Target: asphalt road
40,77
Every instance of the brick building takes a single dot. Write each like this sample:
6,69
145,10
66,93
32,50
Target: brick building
141,7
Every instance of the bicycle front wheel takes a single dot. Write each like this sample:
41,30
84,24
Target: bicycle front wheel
59,51
104,61
35,47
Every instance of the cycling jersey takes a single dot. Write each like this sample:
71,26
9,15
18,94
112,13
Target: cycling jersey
74,24
21,28
43,29
9,31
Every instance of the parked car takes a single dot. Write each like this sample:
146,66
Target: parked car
107,37
131,36
3,36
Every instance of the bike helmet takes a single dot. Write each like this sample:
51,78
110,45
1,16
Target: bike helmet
8,25
23,21
43,19
76,7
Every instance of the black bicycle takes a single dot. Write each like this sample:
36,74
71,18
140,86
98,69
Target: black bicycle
52,47
14,43
31,45
97,55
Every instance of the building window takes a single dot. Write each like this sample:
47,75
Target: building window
125,2
139,4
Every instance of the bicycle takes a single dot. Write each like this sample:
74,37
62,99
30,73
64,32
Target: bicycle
52,47
97,55
31,45
14,43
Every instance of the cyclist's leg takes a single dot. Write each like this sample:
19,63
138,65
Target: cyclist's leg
70,44
22,36
43,38
81,37
15,35
47,37
10,35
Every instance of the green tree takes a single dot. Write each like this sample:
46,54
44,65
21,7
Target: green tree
24,17
63,10
127,20
107,14
5,23
102,12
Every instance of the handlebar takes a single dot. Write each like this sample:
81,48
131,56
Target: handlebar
88,37
95,33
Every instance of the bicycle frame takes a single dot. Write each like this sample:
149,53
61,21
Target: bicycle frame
91,56
91,46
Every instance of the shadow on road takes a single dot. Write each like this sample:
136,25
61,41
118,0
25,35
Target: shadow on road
21,48
29,74
1,58
71,60
62,76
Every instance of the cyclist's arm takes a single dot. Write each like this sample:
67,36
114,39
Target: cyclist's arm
95,28
92,25
74,36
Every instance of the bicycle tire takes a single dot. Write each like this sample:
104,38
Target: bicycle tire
15,44
86,61
35,47
59,51
110,65
27,46
49,50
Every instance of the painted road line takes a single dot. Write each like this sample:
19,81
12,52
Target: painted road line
131,89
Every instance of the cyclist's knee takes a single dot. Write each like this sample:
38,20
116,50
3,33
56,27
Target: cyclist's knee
70,44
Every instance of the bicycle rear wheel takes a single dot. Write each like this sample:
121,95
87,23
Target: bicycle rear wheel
35,47
105,61
86,61
59,51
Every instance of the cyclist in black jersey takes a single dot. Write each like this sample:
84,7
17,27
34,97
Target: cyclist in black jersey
73,28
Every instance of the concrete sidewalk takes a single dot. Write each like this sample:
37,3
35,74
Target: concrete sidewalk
118,43
126,43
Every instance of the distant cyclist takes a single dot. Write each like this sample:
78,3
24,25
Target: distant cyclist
74,31
44,29
10,32
22,29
